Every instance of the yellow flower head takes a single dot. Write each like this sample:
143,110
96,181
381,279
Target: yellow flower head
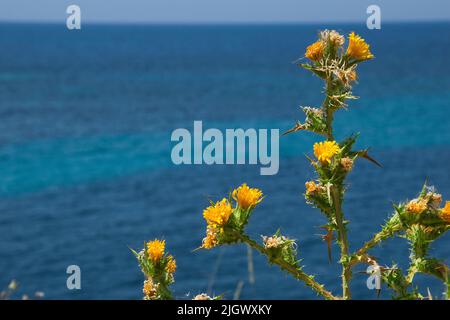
325,150
171,265
218,214
358,48
247,197
445,212
150,290
155,249
311,187
416,206
210,241
314,52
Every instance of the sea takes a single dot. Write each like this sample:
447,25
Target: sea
86,118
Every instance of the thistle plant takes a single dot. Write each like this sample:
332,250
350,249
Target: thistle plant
158,268
420,221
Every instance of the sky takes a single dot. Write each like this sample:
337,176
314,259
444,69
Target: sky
223,11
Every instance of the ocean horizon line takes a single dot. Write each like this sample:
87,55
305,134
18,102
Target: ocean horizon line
221,23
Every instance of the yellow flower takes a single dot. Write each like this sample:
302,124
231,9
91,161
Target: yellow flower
416,206
247,197
150,290
210,241
171,265
315,51
155,249
358,48
325,150
311,187
218,214
445,212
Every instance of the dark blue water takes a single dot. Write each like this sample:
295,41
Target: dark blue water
85,166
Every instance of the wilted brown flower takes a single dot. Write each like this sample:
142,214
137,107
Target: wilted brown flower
273,241
347,164
434,199
333,36
202,296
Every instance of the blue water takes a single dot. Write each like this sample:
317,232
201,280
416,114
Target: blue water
85,166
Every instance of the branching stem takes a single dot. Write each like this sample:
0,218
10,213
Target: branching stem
294,271
384,234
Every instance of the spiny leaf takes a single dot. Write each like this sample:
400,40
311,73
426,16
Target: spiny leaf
328,238
347,144
320,74
364,154
298,126
134,252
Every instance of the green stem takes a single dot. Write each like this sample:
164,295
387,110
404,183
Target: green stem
163,289
343,243
328,112
384,234
336,197
297,273
447,294
410,276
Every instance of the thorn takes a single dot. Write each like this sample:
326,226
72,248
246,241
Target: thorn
328,238
298,126
364,154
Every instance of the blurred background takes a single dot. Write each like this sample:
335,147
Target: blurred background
86,117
